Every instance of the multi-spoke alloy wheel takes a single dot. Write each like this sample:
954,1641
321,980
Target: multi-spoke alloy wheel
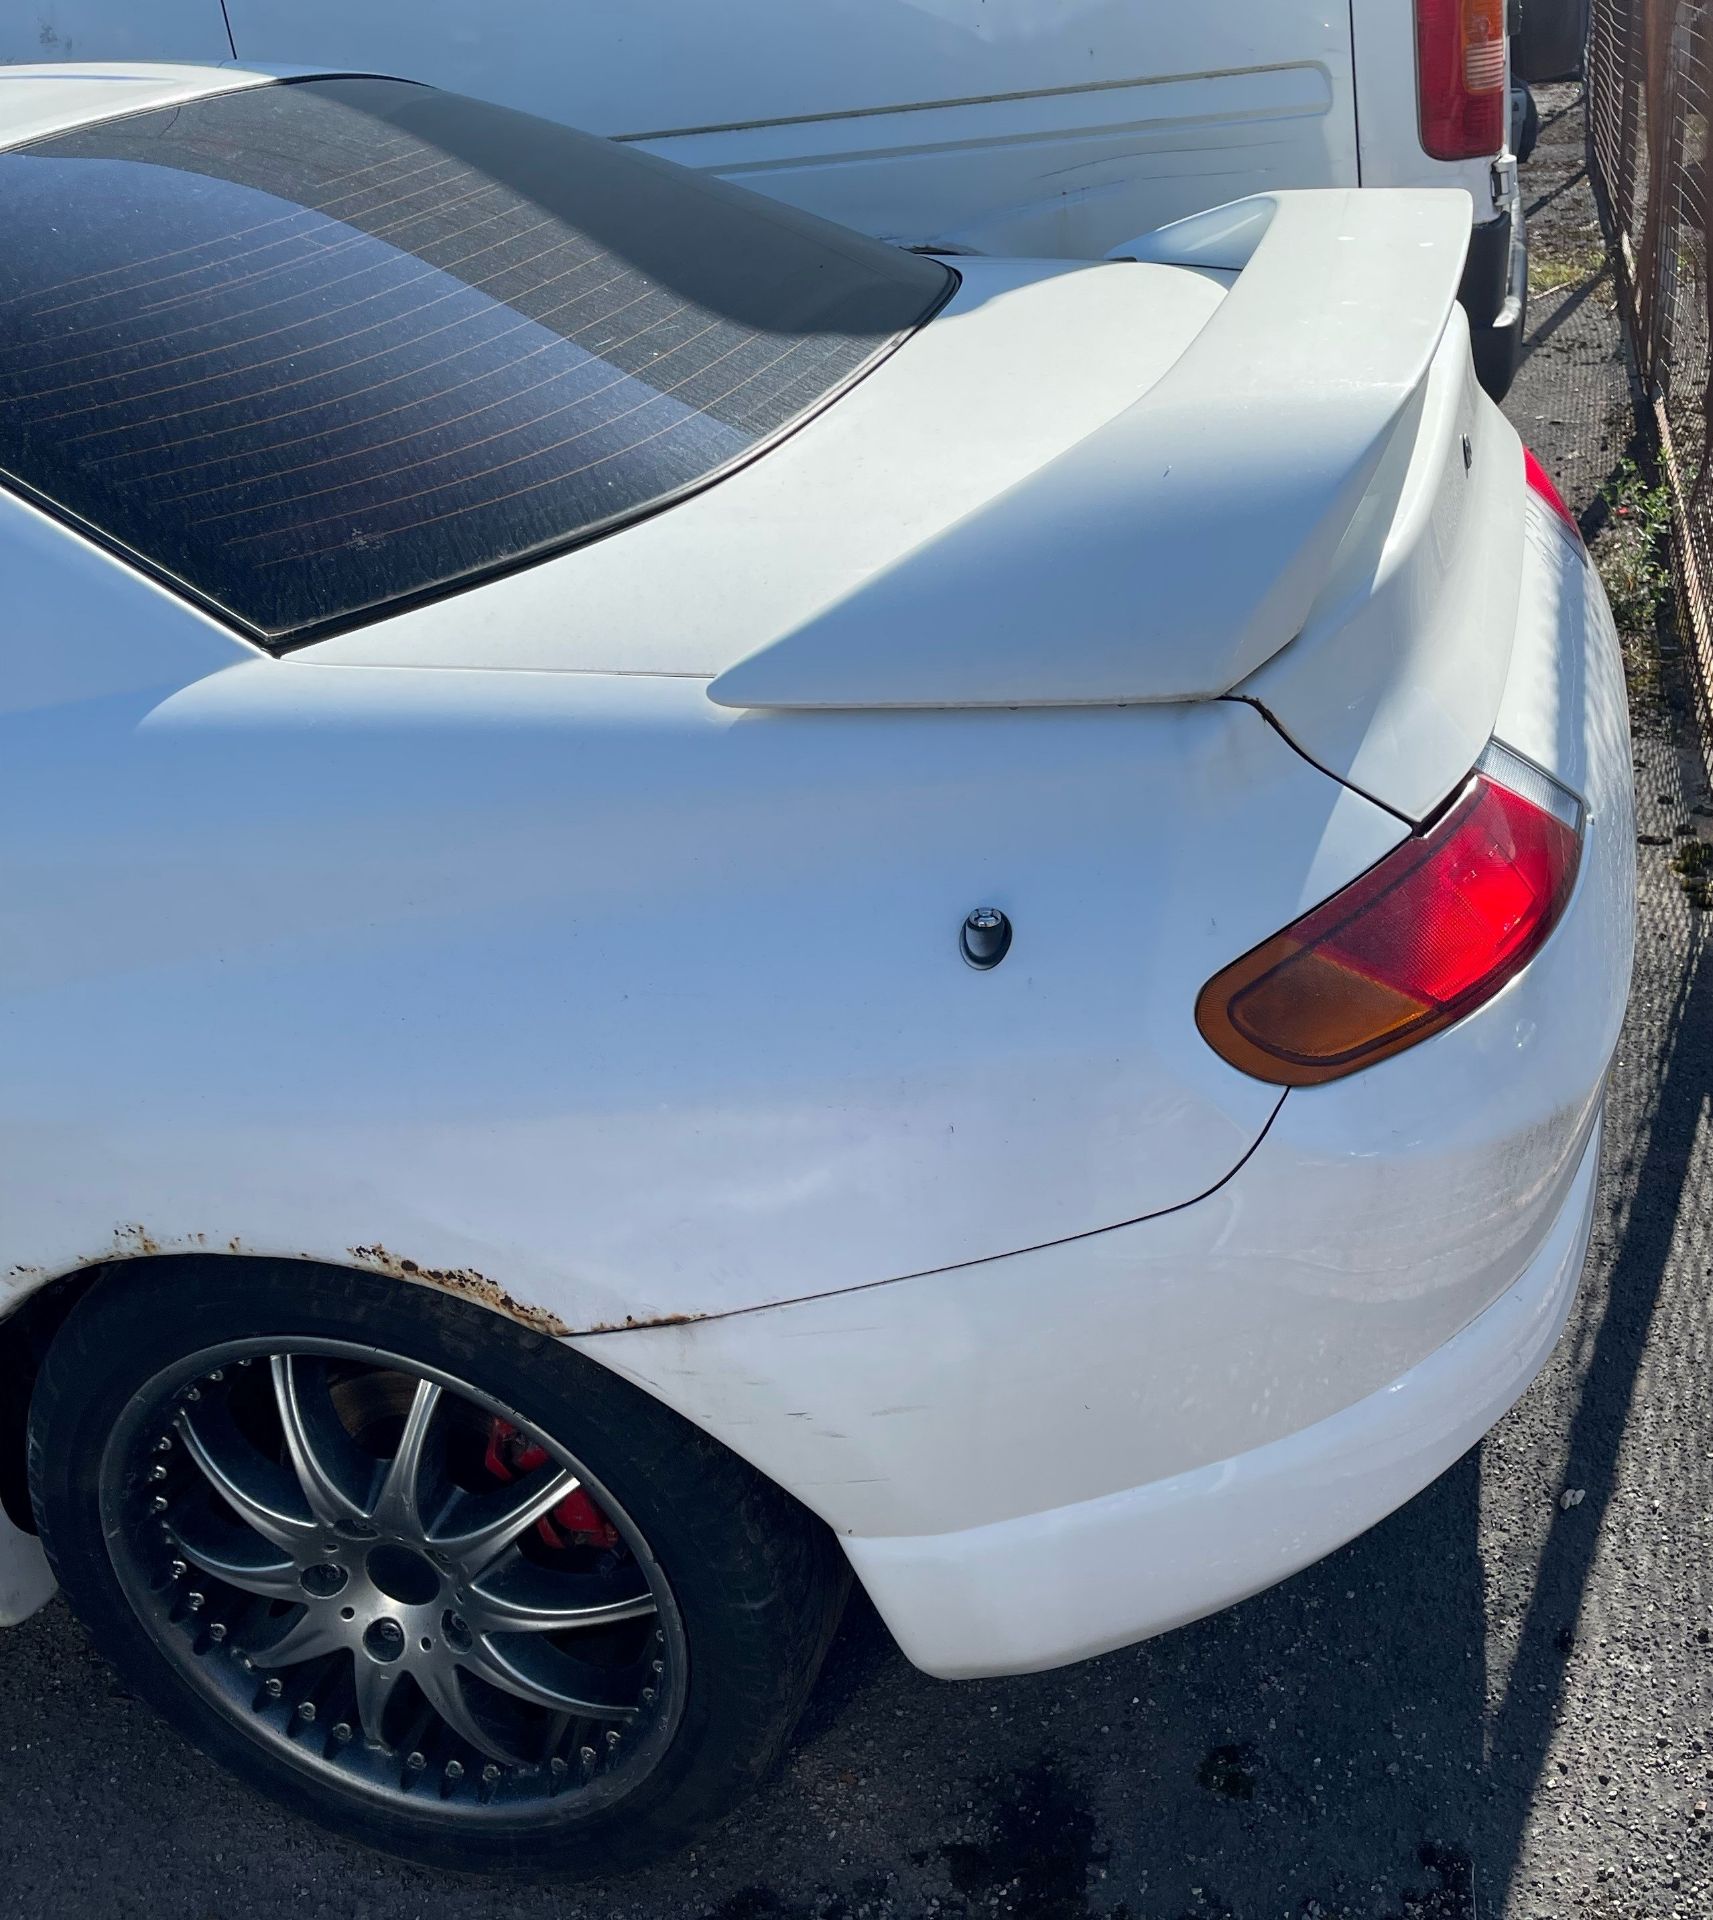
382,1568
441,1582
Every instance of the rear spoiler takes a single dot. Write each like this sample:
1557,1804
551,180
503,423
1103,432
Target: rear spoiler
1173,550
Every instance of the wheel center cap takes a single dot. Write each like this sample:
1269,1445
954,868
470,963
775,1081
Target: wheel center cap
402,1574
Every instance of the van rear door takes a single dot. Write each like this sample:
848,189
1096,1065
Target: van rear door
1055,127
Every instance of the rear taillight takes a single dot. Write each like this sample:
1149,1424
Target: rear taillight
1540,484
1460,77
1419,941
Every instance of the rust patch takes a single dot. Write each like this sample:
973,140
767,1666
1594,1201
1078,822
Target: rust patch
465,1281
132,1240
631,1321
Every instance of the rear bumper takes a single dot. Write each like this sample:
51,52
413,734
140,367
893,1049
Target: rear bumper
1073,1581
1495,293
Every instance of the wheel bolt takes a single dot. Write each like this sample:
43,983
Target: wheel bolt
415,1762
159,1503
456,1630
217,1630
196,1601
179,1569
454,1770
323,1580
274,1688
306,1709
612,1737
648,1696
157,1473
490,1773
385,1640
164,1443
341,1732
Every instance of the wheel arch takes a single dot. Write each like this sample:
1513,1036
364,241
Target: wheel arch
41,1307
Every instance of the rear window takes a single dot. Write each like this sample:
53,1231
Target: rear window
309,350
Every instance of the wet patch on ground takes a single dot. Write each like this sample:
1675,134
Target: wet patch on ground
1038,1856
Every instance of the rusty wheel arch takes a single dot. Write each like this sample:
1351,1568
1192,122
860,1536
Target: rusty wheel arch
28,1330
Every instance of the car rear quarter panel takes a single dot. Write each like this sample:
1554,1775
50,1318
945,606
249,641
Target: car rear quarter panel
579,990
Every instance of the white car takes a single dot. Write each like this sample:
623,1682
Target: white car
693,905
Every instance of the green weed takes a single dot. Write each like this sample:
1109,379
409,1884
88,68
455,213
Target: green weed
1633,554
1693,865
1554,267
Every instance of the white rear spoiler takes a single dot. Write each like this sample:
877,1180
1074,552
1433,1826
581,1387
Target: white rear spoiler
1180,545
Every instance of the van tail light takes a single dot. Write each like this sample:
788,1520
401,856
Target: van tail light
1423,938
1540,484
1460,77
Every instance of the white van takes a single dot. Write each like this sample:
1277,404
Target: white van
994,126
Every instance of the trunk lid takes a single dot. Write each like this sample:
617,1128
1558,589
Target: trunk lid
1229,464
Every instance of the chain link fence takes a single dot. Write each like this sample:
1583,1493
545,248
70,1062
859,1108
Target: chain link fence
1648,71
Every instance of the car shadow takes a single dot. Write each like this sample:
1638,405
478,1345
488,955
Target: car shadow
1564,312
1568,185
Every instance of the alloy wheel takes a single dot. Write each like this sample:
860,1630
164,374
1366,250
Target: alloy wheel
394,1580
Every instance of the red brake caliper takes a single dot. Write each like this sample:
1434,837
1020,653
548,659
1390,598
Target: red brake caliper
576,1521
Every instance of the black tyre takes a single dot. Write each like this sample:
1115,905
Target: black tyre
430,1578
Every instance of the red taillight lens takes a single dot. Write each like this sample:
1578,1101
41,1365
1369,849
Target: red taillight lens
1421,939
1540,483
1460,77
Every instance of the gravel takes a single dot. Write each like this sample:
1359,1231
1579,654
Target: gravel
1495,1703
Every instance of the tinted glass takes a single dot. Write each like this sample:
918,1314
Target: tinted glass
310,349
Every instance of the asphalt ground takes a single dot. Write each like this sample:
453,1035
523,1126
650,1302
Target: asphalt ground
1494,1703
